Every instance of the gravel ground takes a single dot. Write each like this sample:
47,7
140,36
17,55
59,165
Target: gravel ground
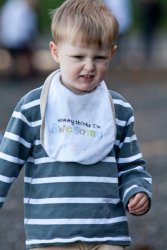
147,92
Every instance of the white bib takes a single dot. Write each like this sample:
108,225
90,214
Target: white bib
78,128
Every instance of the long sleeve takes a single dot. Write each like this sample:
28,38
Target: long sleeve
14,150
133,176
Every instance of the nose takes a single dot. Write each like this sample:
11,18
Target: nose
89,65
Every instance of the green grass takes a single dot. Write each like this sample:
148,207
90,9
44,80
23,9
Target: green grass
45,6
136,14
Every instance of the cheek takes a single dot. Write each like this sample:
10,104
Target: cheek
64,66
74,69
68,71
103,68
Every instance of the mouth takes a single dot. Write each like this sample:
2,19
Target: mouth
87,76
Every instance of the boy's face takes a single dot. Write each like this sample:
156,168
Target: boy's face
82,68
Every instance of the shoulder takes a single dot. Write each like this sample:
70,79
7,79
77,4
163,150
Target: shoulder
31,97
29,105
123,108
118,98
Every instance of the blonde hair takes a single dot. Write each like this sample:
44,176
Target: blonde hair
87,21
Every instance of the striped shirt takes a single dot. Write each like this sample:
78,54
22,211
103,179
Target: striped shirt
69,202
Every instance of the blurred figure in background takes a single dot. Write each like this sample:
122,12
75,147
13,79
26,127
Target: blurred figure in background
122,10
18,31
150,17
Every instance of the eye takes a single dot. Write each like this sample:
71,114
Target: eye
100,58
78,57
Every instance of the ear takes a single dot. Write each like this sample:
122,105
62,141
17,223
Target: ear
113,50
54,51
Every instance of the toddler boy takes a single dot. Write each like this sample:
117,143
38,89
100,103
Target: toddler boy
83,166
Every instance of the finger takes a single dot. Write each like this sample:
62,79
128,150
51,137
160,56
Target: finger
141,207
140,203
140,210
137,200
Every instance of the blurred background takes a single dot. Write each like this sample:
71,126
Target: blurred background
138,72
25,35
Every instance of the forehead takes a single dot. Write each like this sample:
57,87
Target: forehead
81,47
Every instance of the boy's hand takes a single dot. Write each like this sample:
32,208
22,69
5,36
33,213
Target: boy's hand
138,204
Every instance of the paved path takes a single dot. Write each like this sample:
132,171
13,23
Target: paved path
147,92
